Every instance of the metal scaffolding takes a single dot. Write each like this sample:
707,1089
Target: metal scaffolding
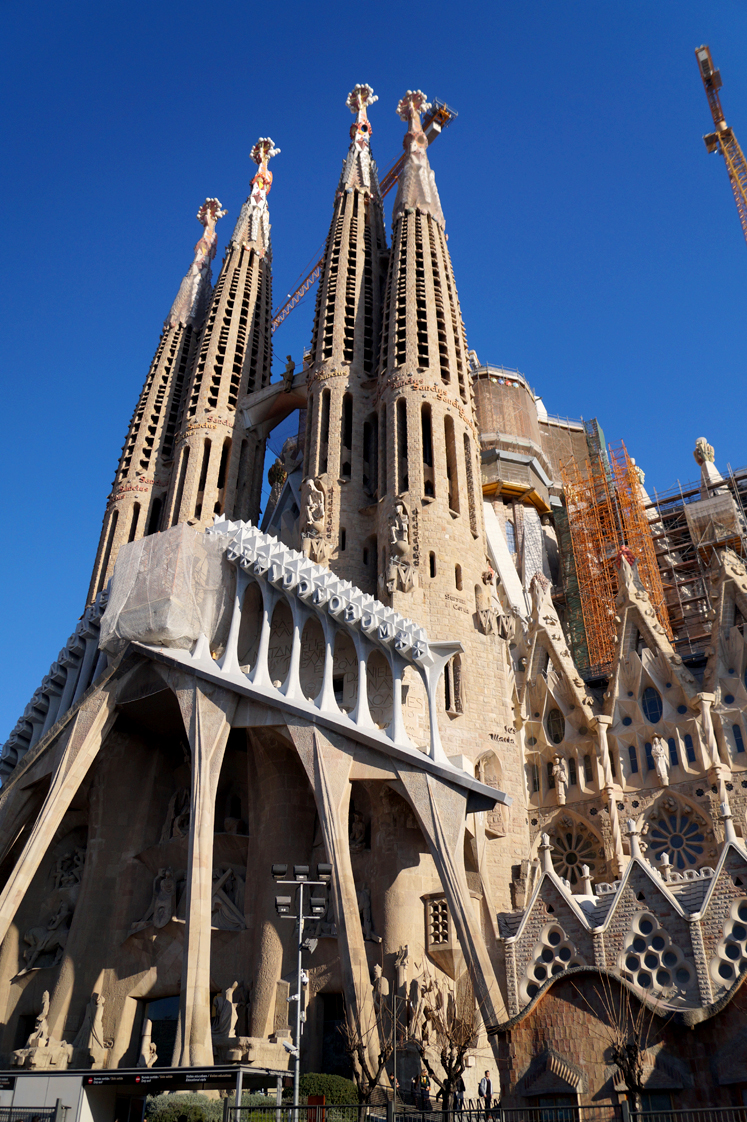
605,507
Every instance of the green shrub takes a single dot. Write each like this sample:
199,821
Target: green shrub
335,1088
196,1107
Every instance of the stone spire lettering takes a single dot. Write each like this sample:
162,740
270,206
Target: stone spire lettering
195,288
253,226
359,169
417,183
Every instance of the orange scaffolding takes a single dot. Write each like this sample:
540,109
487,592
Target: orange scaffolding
604,499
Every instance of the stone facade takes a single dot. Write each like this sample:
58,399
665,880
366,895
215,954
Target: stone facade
387,677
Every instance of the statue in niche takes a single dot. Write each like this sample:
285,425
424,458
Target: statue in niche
41,1049
226,1012
315,545
380,988
660,756
400,571
227,900
69,869
163,902
364,908
560,775
357,833
148,1051
290,370
48,943
400,963
91,1035
490,615
177,816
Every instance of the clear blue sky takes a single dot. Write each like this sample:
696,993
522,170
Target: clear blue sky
596,245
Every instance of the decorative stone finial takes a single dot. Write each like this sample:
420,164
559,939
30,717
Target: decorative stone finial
417,184
410,107
586,881
254,221
703,452
545,849
262,153
730,834
666,867
194,289
627,555
358,101
635,845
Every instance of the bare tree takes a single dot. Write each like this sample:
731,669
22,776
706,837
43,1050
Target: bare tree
446,1026
356,1043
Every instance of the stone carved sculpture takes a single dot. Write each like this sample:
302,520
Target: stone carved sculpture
660,756
90,1037
290,370
227,900
703,452
400,570
380,987
195,285
357,832
69,869
490,615
45,945
226,1012
41,1049
364,908
254,220
162,906
148,1051
176,824
401,961
560,775
314,542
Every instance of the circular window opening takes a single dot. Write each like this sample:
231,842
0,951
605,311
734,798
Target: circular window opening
627,720
571,858
651,704
555,726
553,938
645,927
729,699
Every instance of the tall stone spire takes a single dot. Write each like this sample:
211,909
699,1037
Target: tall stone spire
219,466
341,450
135,505
430,476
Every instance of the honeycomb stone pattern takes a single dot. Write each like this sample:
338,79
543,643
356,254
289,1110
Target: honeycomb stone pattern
730,959
652,961
552,955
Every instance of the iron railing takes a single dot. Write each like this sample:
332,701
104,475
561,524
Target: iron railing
28,1114
696,1114
430,1112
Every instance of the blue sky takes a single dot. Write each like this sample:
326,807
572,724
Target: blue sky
595,243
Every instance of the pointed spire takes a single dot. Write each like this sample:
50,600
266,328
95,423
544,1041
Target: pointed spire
254,221
359,169
417,183
194,291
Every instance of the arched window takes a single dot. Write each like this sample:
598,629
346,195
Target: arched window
454,686
180,487
403,482
154,522
384,450
588,770
432,564
738,739
651,705
674,759
510,536
451,464
371,455
458,577
324,434
346,465
572,777
555,726
689,749
133,523
650,766
203,479
535,777
633,758
429,486
550,776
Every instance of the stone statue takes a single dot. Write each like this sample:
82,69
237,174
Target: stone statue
290,370
49,940
41,1050
380,988
148,1051
69,869
315,545
91,1034
703,452
400,571
357,834
364,907
226,1012
227,901
660,756
560,775
163,902
40,1036
400,963
177,816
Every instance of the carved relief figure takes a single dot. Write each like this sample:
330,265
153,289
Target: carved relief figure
290,370
226,1012
660,756
40,1036
380,988
43,942
228,900
69,869
41,1049
400,571
364,907
148,1051
400,964
91,1034
315,545
177,816
357,834
163,902
560,775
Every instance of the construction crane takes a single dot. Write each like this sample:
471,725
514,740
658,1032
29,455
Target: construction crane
438,117
723,139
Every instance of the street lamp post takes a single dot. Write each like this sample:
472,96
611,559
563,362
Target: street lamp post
317,905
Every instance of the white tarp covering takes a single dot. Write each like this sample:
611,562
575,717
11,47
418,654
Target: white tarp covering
503,562
167,589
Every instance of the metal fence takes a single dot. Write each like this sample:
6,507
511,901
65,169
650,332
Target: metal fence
27,1114
697,1114
430,1112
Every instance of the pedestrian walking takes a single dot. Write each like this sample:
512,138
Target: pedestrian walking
459,1095
485,1092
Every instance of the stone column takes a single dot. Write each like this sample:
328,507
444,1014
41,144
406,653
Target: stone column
610,788
328,768
710,746
207,712
85,735
441,811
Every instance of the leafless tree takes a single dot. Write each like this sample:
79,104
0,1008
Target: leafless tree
356,1042
443,1026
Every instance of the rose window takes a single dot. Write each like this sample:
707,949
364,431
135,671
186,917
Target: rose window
573,848
552,955
679,836
730,959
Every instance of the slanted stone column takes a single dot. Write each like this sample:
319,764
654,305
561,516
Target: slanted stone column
85,736
441,811
328,768
207,712
611,790
712,760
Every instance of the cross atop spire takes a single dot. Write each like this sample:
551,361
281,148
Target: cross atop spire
417,183
195,288
358,169
254,223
